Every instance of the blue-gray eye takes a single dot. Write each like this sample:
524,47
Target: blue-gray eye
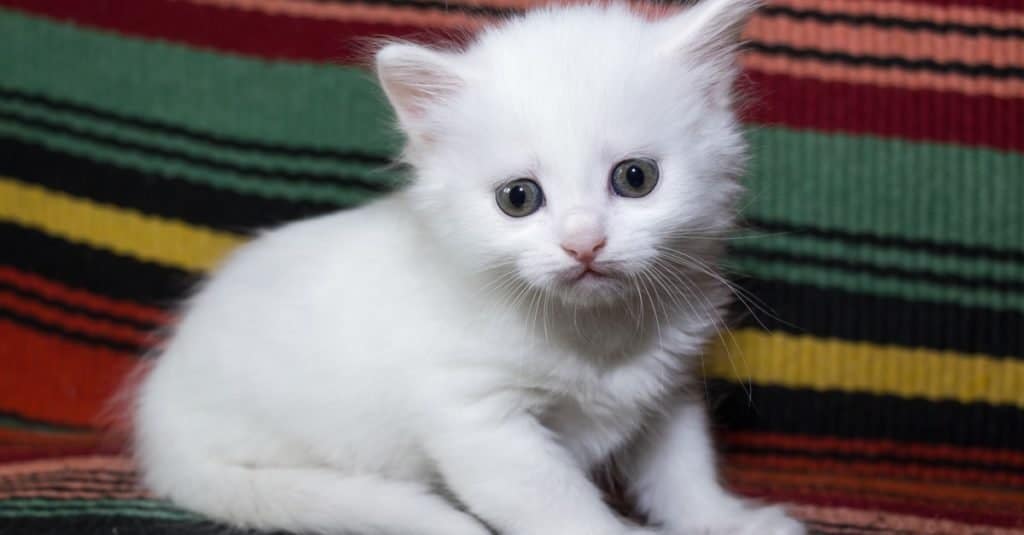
520,197
634,178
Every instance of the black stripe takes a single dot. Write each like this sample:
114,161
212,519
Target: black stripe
196,135
985,283
108,524
195,160
833,313
887,61
96,476
94,479
928,246
67,334
908,461
849,415
95,270
818,527
890,22
74,309
165,196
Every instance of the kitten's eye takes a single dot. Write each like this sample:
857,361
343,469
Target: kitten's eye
520,197
634,178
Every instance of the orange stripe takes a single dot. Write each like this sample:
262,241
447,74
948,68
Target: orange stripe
79,298
818,70
874,447
909,470
975,16
113,493
872,41
907,491
113,463
72,321
50,379
885,521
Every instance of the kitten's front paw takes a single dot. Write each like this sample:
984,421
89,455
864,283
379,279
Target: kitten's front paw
753,521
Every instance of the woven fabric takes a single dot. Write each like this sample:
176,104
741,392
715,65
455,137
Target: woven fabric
875,376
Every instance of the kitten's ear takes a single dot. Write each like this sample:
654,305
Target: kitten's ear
415,78
709,31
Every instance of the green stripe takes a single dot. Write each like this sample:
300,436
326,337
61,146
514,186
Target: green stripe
54,507
45,502
886,257
12,421
97,512
873,285
889,187
275,101
372,173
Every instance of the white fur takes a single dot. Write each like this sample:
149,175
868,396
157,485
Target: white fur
342,374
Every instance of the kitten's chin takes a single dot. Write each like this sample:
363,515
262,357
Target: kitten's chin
590,288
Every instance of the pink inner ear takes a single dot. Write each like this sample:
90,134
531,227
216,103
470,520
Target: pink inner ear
414,78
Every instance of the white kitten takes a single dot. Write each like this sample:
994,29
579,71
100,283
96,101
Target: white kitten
527,310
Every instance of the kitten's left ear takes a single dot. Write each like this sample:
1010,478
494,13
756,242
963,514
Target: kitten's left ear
710,28
708,34
415,78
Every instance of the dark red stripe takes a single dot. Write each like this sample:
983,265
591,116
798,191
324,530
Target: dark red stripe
225,29
915,114
783,100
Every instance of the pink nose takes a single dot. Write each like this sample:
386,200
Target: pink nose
584,250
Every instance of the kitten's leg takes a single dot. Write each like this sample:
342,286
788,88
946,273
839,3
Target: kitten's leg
309,500
519,480
672,476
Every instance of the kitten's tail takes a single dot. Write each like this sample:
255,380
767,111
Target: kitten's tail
310,500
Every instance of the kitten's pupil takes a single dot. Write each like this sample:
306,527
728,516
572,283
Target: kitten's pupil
635,176
517,195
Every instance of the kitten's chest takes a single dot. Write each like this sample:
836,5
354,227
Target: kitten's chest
598,413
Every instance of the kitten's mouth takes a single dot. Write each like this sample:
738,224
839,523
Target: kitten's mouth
589,273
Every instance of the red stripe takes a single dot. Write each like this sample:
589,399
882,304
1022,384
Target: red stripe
81,299
906,470
873,447
864,109
51,379
78,323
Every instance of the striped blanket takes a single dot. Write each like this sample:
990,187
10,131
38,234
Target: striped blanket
877,386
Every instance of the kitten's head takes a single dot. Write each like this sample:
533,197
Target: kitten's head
580,149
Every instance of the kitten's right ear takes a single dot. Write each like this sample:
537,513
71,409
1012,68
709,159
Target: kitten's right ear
415,78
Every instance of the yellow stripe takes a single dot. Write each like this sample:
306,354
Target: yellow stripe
790,361
124,231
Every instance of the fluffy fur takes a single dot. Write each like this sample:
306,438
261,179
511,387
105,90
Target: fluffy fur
428,365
